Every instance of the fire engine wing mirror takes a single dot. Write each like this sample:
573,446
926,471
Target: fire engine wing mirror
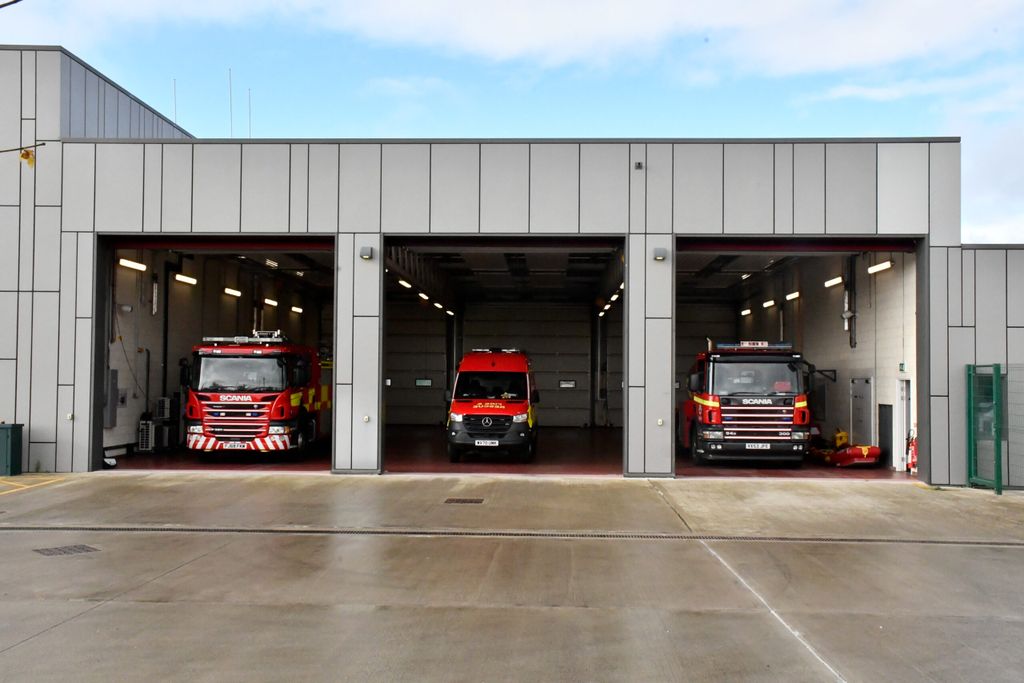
447,397
184,373
695,383
534,396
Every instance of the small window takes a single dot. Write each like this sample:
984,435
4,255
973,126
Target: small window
424,382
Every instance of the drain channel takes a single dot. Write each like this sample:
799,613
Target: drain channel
504,533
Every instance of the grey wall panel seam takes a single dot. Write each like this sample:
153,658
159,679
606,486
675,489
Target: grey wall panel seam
337,213
646,193
579,188
824,189
163,159
876,224
241,175
192,192
723,194
529,188
290,171
430,187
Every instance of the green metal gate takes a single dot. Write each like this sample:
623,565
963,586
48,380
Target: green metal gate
985,408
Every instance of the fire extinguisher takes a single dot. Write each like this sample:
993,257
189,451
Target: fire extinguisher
911,450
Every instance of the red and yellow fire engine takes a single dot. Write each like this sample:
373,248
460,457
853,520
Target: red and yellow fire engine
747,401
258,393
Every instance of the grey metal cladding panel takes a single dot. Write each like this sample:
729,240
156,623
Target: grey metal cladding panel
177,189
265,197
45,328
367,290
65,427
217,188
637,188
65,96
360,188
954,278
152,178
937,329
342,435
454,188
1015,342
124,115
323,188
28,84
21,400
79,187
48,174
944,194
83,395
697,188
366,383
991,294
504,188
784,189
851,189
749,193
967,280
48,83
46,273
903,188
135,129
636,276
9,331
10,126
343,292
961,353
8,378
92,105
42,457
940,440
299,188
659,287
658,439
405,188
554,187
809,188
84,293
8,256
658,170
76,105
68,293
108,110
1015,284
119,187
604,188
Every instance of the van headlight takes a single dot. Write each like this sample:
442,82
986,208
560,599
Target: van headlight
195,429
456,417
277,429
521,417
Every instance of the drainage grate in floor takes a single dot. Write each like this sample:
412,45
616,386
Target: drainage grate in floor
463,501
66,550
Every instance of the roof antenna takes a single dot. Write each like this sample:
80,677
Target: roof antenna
231,108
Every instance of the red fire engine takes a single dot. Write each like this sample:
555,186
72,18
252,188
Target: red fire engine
258,393
747,401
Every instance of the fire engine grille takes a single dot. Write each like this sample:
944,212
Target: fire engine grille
236,421
757,423
487,425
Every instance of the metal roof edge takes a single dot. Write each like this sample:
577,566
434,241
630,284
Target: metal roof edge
424,141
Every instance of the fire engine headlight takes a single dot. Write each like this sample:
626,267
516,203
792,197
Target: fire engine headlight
712,434
195,429
799,436
521,417
277,429
456,417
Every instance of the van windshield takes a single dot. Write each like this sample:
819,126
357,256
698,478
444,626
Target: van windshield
506,385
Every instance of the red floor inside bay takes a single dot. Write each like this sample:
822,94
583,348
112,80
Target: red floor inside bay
561,450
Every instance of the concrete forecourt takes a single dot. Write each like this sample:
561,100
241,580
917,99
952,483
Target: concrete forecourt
316,577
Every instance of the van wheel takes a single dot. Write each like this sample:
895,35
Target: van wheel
454,453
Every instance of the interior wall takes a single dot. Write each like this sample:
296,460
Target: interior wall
611,413
415,339
695,322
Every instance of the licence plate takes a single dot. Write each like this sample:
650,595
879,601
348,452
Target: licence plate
235,445
485,442
758,446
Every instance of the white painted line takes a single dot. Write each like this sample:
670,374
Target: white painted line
796,634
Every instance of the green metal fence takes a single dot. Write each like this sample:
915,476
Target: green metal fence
985,406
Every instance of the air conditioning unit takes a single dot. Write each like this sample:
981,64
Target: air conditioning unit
147,436
163,408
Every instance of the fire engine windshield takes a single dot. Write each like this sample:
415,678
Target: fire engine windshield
239,373
506,385
761,379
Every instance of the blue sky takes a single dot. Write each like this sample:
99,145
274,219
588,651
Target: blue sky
576,68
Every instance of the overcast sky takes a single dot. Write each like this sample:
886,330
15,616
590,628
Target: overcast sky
575,68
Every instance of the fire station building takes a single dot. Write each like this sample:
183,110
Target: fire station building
611,262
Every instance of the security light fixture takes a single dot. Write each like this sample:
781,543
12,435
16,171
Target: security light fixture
185,278
134,265
232,292
660,253
366,253
424,296
745,312
270,302
879,267
768,304
405,284
792,295
834,281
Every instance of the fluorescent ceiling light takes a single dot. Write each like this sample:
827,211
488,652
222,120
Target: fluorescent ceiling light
745,311
300,273
601,314
270,302
405,284
744,276
768,304
615,297
879,267
607,306
622,285
424,296
232,292
449,313
185,278
133,265
792,295
834,281
296,309
437,305
272,263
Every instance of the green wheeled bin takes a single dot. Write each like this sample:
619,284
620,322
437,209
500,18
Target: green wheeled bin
10,449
